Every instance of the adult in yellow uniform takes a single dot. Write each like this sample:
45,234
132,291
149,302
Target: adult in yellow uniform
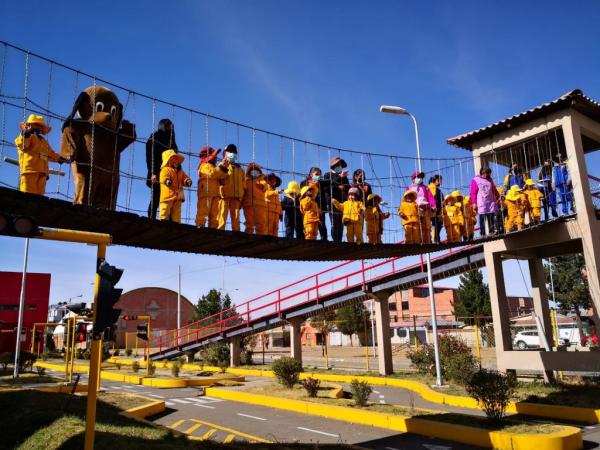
231,190
209,181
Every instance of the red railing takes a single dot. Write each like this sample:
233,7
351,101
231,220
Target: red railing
279,300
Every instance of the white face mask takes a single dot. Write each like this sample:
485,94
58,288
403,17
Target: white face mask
231,157
418,180
337,169
254,173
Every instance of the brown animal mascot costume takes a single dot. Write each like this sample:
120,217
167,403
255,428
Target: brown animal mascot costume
94,142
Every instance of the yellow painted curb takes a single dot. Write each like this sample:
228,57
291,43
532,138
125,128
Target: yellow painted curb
62,388
151,408
569,438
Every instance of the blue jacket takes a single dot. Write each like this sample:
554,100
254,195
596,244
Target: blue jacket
560,175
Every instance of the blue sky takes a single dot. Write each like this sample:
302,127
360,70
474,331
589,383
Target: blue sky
313,70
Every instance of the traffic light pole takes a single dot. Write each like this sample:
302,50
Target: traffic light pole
101,241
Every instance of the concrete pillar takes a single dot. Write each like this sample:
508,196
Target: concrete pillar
540,305
586,215
500,313
235,351
295,338
382,325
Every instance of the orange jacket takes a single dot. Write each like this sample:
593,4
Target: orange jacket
534,197
374,218
272,200
310,211
209,179
410,211
232,186
35,154
178,179
254,188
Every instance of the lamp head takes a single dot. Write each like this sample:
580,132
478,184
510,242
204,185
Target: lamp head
393,110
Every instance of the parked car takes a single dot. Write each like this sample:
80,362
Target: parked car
530,339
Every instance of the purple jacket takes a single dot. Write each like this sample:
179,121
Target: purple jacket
424,195
484,190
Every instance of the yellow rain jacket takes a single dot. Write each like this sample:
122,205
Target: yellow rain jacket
516,205
209,179
273,201
254,188
374,218
178,179
232,186
352,210
34,154
470,218
534,197
310,211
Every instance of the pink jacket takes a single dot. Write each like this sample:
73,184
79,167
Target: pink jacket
424,195
484,190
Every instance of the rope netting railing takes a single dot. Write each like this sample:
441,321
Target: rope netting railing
120,164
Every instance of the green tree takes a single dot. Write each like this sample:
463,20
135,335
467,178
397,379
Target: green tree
213,303
323,322
571,289
473,296
352,319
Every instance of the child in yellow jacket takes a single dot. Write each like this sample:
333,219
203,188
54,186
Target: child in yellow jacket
353,215
209,180
34,154
253,202
470,218
516,205
534,200
453,218
409,213
374,218
231,190
311,213
172,181
273,204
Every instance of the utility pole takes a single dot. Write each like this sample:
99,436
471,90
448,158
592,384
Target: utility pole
178,297
21,308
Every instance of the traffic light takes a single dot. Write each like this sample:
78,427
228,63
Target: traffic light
80,309
38,336
142,331
108,295
18,226
81,332
129,317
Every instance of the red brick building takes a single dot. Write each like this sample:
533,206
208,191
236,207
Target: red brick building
158,303
415,302
37,295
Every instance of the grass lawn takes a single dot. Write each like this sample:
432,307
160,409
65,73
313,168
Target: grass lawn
7,382
298,393
34,420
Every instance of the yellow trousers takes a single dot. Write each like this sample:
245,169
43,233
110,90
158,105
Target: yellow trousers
514,221
170,210
255,219
412,233
425,230
229,207
272,223
34,183
453,232
311,230
535,214
374,238
208,207
354,232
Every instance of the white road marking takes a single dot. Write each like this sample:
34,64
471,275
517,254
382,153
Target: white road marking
381,396
318,432
250,417
155,396
211,399
203,406
391,448
178,400
382,401
169,404
376,392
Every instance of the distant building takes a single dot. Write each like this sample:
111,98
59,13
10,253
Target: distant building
158,303
37,295
57,312
415,302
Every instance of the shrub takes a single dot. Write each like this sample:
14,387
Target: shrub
311,385
175,368
216,354
6,358
493,390
41,371
457,361
287,370
116,352
26,360
361,390
152,368
223,365
128,352
87,354
247,357
135,367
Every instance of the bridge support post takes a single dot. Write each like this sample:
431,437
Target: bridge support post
500,313
382,324
540,304
295,341
234,351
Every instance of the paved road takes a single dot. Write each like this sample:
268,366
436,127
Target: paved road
204,417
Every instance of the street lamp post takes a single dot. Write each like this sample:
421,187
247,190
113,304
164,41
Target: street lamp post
436,348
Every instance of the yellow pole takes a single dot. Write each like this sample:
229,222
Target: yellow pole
147,348
415,331
367,345
555,333
325,341
66,341
32,338
90,416
136,344
73,332
477,347
126,338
